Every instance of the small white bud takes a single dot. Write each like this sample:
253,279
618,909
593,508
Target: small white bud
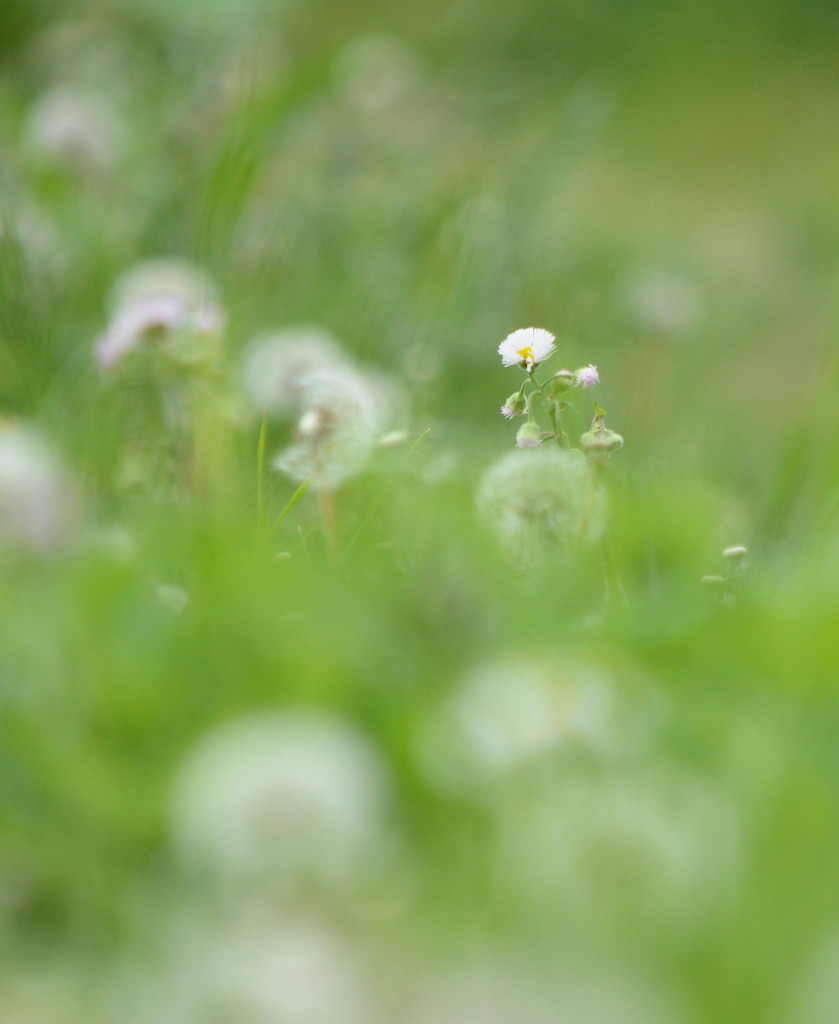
736,551
529,435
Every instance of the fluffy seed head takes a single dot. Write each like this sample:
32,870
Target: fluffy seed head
340,420
276,366
541,502
292,797
36,507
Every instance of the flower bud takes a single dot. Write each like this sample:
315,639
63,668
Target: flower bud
529,435
514,406
734,553
601,441
562,381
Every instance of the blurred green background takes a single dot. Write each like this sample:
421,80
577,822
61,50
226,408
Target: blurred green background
654,182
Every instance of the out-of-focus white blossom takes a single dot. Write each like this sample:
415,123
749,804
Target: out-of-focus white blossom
508,713
576,992
171,596
655,838
527,348
377,72
276,366
815,993
78,126
666,303
291,797
36,502
339,425
259,973
166,296
541,502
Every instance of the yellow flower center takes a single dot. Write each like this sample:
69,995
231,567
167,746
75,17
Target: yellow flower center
525,354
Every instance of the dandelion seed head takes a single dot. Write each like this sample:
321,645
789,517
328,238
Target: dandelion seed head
256,972
290,797
509,712
36,504
502,990
277,364
76,126
541,503
651,836
337,430
376,73
666,303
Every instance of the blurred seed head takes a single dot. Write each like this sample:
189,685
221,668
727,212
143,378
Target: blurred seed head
606,843
542,502
258,973
37,510
342,414
74,126
507,992
295,798
166,298
815,994
378,72
30,226
512,711
666,303
276,366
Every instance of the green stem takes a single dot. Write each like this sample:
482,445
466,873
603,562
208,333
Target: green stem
614,586
292,501
554,415
260,473
380,498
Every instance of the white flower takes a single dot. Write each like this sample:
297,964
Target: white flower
587,377
541,502
294,797
527,347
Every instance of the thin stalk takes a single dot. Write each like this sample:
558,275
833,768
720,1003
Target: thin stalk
292,501
260,474
614,587
380,497
327,513
554,415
